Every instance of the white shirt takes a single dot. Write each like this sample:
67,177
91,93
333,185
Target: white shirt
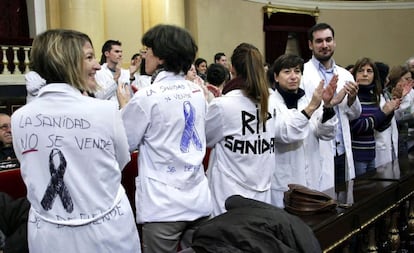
386,142
107,85
165,121
77,144
297,147
310,80
141,81
243,157
406,109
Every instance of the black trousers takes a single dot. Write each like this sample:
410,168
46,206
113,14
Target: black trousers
339,170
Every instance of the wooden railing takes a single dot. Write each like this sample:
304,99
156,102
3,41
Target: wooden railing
381,217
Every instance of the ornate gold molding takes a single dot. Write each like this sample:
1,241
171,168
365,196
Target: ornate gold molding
270,9
341,4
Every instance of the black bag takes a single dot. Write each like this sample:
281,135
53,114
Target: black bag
301,200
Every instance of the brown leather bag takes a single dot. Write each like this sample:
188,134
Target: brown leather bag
301,200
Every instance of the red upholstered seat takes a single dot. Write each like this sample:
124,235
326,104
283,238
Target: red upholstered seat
11,182
129,174
206,158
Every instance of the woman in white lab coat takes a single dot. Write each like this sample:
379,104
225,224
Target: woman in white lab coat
240,128
72,149
299,127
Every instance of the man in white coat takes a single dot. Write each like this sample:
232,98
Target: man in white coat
338,164
111,72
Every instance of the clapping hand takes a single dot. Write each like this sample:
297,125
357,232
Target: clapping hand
401,90
391,106
123,94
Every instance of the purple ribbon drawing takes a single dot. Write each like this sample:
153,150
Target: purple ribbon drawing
190,132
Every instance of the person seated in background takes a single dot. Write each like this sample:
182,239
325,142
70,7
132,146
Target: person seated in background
220,58
13,224
218,76
201,67
193,77
6,141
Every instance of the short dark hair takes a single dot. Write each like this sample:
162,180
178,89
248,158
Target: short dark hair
107,46
318,27
282,62
383,70
134,56
142,67
217,74
172,44
349,67
218,56
198,61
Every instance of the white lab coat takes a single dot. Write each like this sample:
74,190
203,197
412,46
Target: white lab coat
297,147
166,121
386,142
310,80
106,83
406,109
234,166
77,144
141,81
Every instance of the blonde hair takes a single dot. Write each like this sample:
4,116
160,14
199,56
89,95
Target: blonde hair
57,56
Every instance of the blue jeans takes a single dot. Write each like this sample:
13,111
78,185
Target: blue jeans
364,167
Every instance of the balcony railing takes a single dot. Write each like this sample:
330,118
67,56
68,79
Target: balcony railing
13,66
15,59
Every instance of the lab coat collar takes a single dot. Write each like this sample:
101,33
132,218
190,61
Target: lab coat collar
58,87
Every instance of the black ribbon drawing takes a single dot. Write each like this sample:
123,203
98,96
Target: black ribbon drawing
56,185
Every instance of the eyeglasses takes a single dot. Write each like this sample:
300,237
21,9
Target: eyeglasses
6,126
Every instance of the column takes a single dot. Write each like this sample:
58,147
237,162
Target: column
86,16
162,12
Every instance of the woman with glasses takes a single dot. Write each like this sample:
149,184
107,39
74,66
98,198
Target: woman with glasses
6,147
